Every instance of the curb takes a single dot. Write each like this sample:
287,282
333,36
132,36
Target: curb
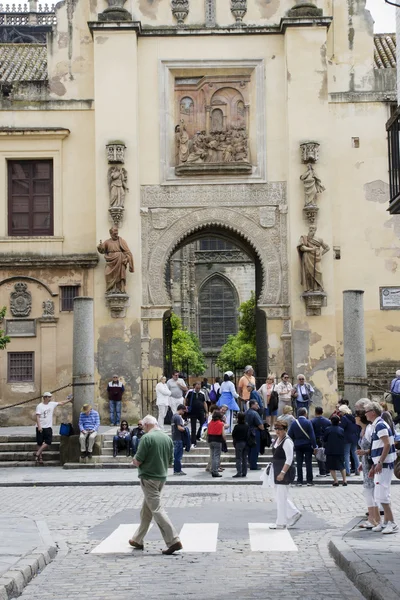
370,583
17,578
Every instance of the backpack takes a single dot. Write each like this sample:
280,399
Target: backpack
212,394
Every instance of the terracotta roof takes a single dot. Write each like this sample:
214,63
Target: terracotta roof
385,50
23,62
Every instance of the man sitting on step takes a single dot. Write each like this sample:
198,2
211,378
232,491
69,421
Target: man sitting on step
89,423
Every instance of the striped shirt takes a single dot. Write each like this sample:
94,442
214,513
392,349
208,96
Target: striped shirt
90,422
380,430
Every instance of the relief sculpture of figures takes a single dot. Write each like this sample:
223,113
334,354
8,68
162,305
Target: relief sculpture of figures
117,183
312,185
230,146
311,251
118,258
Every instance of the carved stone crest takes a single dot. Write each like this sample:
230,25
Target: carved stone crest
20,300
267,216
116,152
48,308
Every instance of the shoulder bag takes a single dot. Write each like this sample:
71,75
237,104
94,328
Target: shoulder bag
273,400
66,429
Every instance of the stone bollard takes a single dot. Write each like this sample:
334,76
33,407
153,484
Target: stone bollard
355,359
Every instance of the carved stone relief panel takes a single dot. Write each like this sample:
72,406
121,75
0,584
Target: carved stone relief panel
20,300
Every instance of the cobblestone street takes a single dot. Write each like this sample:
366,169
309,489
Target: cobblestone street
80,518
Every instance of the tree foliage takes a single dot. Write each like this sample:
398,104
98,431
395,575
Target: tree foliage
186,349
240,349
4,339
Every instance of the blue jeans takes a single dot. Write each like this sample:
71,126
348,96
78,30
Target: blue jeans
300,404
135,444
115,412
178,453
255,451
350,448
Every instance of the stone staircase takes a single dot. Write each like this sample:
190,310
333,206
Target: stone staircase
17,451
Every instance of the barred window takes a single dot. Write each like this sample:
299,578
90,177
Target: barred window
30,197
20,366
68,293
218,312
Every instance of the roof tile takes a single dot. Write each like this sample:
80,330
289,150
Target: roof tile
385,50
23,62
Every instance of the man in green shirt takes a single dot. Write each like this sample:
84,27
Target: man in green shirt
154,456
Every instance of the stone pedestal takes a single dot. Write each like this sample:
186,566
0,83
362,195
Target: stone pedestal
117,303
355,359
117,215
83,356
314,302
310,212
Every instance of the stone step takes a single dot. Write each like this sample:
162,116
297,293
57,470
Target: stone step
187,460
28,457
24,438
24,463
23,446
127,465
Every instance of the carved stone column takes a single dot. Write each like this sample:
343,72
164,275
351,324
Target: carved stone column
83,356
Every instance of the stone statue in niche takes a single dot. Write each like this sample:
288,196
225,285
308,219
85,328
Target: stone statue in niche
213,131
48,308
311,251
312,186
118,257
117,183
20,300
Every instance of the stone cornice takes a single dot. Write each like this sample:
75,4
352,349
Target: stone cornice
304,22
18,261
367,96
24,104
48,132
115,26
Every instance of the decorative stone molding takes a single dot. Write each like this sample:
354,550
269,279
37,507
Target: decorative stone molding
117,215
48,308
311,212
309,152
305,9
314,302
221,256
180,10
239,9
210,12
117,303
20,300
116,152
37,261
115,12
267,216
269,246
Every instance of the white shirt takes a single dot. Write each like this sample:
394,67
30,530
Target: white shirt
288,449
227,386
284,390
45,412
163,393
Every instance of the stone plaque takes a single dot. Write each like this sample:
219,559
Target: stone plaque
389,298
21,327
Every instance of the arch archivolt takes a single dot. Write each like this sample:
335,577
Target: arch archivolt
165,229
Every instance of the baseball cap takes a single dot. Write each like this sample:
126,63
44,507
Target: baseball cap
47,395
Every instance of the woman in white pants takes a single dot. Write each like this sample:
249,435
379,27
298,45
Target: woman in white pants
282,462
162,393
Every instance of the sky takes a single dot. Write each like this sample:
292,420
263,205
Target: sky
383,15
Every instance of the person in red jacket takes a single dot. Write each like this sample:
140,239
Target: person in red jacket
115,389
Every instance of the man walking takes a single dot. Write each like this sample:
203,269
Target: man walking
320,424
177,388
383,455
44,423
254,421
153,459
177,429
89,423
115,389
197,411
302,433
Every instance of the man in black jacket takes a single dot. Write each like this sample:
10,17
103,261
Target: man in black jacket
197,411
115,389
136,434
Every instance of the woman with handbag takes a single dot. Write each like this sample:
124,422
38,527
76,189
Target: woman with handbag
366,462
284,473
271,400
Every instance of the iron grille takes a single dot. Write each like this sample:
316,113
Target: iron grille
68,293
393,129
20,366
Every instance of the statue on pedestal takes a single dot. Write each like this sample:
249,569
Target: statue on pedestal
311,251
312,185
118,257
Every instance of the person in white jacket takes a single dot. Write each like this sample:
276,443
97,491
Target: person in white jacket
162,394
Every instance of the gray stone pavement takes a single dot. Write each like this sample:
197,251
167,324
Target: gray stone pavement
79,518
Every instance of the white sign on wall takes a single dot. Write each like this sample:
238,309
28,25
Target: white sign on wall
390,298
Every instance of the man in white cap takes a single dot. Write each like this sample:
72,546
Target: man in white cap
44,423
243,390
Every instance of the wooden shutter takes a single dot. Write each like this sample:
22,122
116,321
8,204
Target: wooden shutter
30,197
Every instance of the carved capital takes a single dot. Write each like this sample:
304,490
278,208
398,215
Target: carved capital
117,215
117,303
309,152
116,152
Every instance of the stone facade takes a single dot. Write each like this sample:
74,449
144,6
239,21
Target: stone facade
103,92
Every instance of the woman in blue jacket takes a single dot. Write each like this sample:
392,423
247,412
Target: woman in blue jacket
334,450
351,437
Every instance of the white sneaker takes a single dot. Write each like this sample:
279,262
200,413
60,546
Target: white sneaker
391,528
277,526
366,525
378,528
294,519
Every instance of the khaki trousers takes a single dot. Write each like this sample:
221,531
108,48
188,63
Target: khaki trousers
90,438
152,509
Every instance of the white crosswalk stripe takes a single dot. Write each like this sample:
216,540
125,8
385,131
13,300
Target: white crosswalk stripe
202,538
264,539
